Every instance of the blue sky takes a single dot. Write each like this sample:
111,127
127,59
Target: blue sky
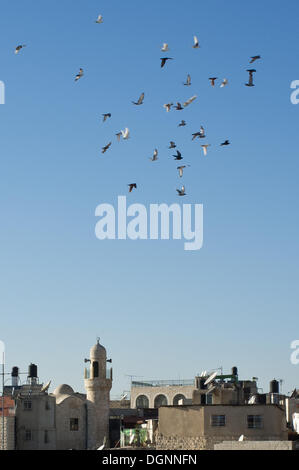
161,312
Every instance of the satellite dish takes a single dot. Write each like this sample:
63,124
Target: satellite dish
241,438
252,400
211,378
46,387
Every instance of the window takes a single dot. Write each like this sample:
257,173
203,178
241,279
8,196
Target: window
74,424
209,398
254,421
218,420
160,400
142,402
27,405
46,437
47,405
28,435
95,366
178,398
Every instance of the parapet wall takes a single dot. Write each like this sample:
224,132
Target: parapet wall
185,443
257,445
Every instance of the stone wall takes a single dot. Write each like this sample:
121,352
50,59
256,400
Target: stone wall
169,391
9,433
184,443
257,445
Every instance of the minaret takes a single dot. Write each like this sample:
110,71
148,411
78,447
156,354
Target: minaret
98,386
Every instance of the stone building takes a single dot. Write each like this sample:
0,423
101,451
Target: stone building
71,419
7,424
64,419
82,420
98,383
35,418
230,390
155,393
292,409
200,427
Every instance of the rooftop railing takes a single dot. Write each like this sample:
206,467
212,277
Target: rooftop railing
163,383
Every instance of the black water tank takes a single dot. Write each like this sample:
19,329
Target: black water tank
32,371
235,371
274,386
202,385
15,372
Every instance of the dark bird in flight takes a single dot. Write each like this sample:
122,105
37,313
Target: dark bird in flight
106,116
212,80
18,48
140,100
79,75
201,134
226,142
181,192
164,59
178,155
182,123
179,107
254,58
167,106
188,81
104,149
250,81
118,135
172,145
131,186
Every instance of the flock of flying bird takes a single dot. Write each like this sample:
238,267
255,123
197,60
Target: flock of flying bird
125,134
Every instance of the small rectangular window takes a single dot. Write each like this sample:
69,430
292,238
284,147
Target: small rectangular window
28,435
209,399
74,424
254,421
27,405
218,420
46,437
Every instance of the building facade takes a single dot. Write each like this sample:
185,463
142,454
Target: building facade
35,419
63,419
7,424
153,394
201,427
229,390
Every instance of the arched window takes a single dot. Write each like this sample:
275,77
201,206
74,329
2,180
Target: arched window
95,366
177,398
160,400
142,402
